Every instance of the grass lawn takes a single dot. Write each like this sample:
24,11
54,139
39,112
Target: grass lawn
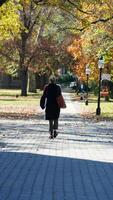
11,103
106,107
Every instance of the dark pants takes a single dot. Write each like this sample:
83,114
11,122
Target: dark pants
53,125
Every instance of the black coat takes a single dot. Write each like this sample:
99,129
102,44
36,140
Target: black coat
50,94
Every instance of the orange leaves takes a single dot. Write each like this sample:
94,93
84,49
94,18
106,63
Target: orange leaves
76,50
79,49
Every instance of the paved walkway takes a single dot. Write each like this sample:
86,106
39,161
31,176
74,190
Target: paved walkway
77,165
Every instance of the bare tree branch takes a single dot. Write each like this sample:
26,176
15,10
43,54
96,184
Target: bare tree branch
72,3
39,35
102,20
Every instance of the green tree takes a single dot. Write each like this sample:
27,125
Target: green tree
37,44
43,27
22,49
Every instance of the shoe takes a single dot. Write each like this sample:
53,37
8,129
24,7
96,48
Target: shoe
55,134
51,135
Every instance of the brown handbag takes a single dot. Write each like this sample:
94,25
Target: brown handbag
61,101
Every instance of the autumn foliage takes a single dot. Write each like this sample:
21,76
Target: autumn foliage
81,59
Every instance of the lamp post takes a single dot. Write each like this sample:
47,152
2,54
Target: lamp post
100,66
87,74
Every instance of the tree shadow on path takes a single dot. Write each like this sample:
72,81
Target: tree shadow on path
26,176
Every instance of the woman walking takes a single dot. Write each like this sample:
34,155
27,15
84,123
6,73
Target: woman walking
52,109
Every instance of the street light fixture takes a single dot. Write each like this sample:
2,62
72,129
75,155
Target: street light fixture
100,66
87,74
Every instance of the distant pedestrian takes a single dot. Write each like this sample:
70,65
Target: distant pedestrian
49,102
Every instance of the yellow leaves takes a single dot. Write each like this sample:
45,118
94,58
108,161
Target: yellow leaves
54,2
24,2
9,20
94,12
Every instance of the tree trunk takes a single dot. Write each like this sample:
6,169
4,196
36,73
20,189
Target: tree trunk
32,82
24,81
23,67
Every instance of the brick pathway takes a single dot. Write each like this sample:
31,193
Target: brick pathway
77,165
